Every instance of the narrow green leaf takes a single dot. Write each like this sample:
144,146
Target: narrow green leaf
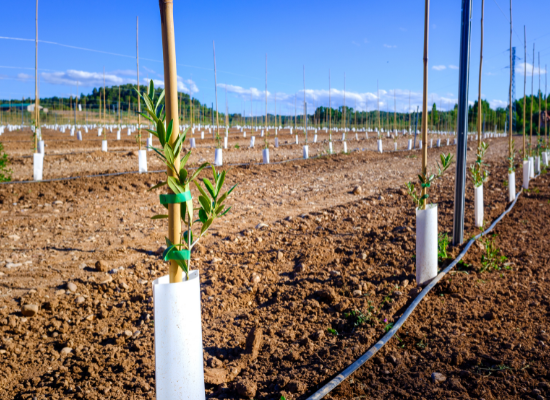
209,187
160,216
197,172
160,184
174,185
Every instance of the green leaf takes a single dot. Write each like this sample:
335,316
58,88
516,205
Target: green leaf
205,203
160,216
201,190
209,187
185,237
219,183
174,185
202,216
183,174
151,93
160,99
197,172
184,160
225,212
218,209
169,130
160,184
169,154
206,225
161,133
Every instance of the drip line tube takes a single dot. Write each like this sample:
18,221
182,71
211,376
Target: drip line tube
342,376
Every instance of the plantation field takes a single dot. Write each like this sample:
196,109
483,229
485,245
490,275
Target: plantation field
313,262
65,156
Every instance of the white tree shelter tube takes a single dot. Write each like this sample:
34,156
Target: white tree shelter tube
511,186
103,145
426,245
37,166
142,161
526,174
265,156
218,157
478,205
179,372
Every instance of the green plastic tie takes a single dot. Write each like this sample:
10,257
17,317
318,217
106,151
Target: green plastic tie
175,198
172,254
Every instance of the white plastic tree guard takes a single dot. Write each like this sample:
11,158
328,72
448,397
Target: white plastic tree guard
380,145
306,152
41,147
438,142
276,142
478,206
79,135
99,131
537,165
410,144
202,134
192,143
218,157
531,167
252,140
103,145
142,161
265,156
178,339
329,147
296,139
526,173
420,144
395,146
511,186
37,166
426,245
314,138
225,142
345,147
118,135
343,137
545,158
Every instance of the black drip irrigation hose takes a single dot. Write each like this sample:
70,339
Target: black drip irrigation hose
342,376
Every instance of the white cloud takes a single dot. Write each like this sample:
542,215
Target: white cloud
453,67
23,77
520,68
498,103
389,46
439,67
114,78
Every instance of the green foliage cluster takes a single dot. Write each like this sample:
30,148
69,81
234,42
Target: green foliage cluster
211,199
5,173
477,169
426,181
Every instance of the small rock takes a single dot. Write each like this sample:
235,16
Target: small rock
13,265
357,190
57,203
160,250
215,376
405,283
127,333
80,300
136,334
255,279
101,266
29,310
335,273
317,336
215,362
261,225
60,292
438,377
259,239
357,293
300,267
15,238
327,295
363,256
397,293
381,198
246,388
280,255
72,286
66,351
254,342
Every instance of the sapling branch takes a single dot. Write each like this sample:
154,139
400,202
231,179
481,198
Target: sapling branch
426,181
479,175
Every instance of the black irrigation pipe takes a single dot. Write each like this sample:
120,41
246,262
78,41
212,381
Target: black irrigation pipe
386,338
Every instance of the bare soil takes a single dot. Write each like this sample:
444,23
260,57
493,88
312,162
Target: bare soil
293,288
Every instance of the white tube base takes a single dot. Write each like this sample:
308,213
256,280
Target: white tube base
265,156
225,142
380,146
410,144
252,141
345,147
218,157
526,174
79,136
103,145
296,139
329,147
142,161
149,144
426,245
306,152
478,206
41,147
531,167
511,186
395,146
314,138
179,372
192,143
276,142
37,166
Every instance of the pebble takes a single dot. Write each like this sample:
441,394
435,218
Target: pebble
101,266
80,300
128,333
136,334
405,283
66,351
357,190
262,225
59,292
280,255
160,250
29,310
438,377
14,237
357,293
256,279
72,286
13,265
335,273
259,239
57,203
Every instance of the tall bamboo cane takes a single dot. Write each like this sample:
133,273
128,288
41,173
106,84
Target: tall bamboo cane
479,105
532,101
216,91
510,155
524,89
36,98
425,99
171,104
139,91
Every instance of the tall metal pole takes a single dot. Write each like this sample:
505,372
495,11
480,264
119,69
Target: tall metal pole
462,117
424,126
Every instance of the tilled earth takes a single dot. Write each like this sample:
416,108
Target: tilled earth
65,156
311,291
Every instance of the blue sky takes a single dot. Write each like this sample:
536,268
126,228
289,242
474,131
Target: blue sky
367,41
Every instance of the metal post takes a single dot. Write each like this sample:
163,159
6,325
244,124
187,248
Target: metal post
462,116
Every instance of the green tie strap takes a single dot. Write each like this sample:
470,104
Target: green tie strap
175,198
172,254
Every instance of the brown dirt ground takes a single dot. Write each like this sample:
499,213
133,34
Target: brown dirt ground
294,279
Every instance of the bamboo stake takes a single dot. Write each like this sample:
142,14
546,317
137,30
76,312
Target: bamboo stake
479,105
266,143
532,101
378,101
524,90
329,110
510,95
394,114
118,105
425,98
216,91
104,130
546,103
540,105
36,98
305,108
171,103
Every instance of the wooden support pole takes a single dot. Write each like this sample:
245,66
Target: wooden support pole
479,105
171,104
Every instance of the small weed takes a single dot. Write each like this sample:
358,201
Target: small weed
421,344
5,173
491,260
357,318
388,327
237,146
505,183
442,246
332,331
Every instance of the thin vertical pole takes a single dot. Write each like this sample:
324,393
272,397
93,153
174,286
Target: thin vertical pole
511,130
540,104
266,142
138,89
378,102
532,102
171,102
524,90
36,98
329,110
305,107
462,129
424,125
479,104
216,91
